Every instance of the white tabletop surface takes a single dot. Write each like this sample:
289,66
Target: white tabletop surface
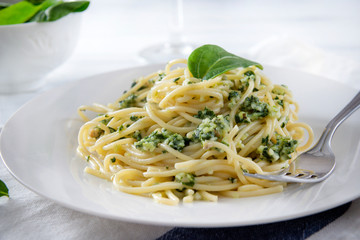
115,31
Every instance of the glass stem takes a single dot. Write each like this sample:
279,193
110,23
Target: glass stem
176,28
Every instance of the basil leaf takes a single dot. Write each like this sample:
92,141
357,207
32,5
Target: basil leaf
209,61
36,2
18,13
23,11
4,191
41,13
62,9
38,17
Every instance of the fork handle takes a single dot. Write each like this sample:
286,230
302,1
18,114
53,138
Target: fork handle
331,127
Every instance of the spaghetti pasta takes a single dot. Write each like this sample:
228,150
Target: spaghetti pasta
175,137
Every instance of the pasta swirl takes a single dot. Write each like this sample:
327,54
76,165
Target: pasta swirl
174,137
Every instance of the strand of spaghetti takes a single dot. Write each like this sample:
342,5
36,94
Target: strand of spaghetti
111,165
98,173
213,104
83,133
170,200
218,168
149,189
118,142
139,84
172,63
255,142
183,89
210,153
239,172
208,196
152,128
265,183
249,187
264,191
101,142
170,76
208,179
211,92
129,162
194,151
245,131
125,112
147,159
257,81
310,134
175,152
159,121
249,163
197,164
167,173
178,122
190,118
235,109
150,181
86,155
216,188
180,108
189,196
94,108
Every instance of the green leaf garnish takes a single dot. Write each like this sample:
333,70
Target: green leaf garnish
209,61
4,191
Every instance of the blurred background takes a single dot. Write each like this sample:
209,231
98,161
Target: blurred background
115,31
122,28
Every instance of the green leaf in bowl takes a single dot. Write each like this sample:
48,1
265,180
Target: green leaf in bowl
4,191
62,9
39,11
23,11
18,13
209,61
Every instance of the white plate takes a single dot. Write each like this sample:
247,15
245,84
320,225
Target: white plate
38,145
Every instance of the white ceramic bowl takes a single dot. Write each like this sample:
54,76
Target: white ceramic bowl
29,51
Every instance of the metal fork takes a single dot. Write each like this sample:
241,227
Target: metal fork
319,162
